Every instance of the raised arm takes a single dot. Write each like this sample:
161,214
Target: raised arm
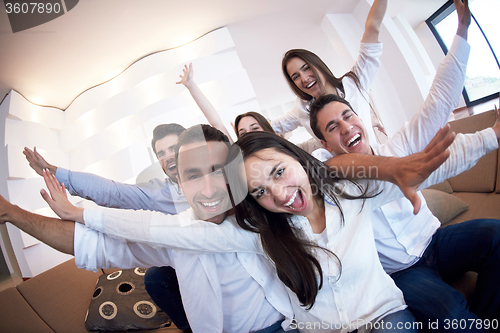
203,103
408,172
444,94
464,17
181,232
106,192
53,232
374,21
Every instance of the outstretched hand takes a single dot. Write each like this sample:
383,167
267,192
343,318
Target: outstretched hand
464,17
496,127
37,162
187,75
411,171
58,199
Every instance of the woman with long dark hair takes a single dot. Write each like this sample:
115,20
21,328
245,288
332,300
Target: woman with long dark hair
321,244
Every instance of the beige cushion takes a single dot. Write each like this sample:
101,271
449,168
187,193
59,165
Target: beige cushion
481,206
17,316
443,205
480,178
444,187
61,296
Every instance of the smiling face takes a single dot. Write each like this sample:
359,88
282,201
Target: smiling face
279,183
343,130
166,155
248,124
202,180
304,78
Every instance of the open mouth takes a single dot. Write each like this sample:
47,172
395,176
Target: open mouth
172,167
296,201
310,85
354,141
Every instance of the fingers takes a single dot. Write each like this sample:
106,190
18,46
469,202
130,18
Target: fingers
440,135
52,182
45,196
440,152
412,195
64,190
28,153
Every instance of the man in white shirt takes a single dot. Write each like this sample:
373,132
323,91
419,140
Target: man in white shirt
163,195
411,248
226,292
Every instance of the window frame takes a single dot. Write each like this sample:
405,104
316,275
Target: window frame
439,15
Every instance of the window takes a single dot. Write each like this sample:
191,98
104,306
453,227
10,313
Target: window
482,81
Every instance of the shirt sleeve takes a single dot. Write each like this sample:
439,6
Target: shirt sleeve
365,68
311,145
108,193
442,99
179,232
94,250
290,120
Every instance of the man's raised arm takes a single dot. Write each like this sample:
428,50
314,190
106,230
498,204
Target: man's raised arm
53,232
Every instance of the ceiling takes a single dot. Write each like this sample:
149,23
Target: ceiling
54,62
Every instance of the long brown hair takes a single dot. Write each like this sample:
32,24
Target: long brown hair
314,63
290,251
260,119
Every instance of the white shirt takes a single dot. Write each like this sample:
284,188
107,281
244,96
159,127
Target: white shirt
366,67
222,292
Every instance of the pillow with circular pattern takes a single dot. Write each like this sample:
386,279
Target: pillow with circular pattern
120,302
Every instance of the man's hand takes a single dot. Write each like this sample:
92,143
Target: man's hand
58,200
411,171
37,162
464,17
496,127
187,75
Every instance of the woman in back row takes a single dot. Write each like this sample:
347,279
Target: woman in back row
309,77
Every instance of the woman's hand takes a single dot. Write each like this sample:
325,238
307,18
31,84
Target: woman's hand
187,76
58,200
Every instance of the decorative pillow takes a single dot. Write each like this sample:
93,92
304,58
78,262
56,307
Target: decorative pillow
445,186
120,302
443,205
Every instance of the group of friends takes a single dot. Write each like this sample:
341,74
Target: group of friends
261,236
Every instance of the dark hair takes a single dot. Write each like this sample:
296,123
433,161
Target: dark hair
163,130
200,133
291,252
260,119
317,106
314,63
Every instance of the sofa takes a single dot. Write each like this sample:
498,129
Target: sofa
54,301
57,300
471,195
